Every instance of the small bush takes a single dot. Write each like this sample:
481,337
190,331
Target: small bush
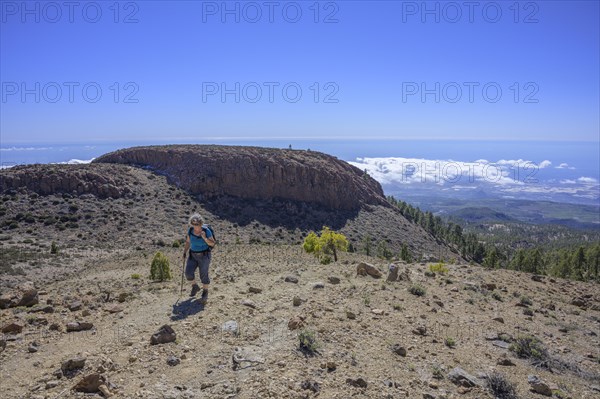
160,269
176,244
437,372
417,290
308,342
526,301
528,312
497,296
438,268
450,342
136,276
501,387
529,347
54,248
325,260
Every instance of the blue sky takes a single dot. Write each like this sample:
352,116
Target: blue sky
369,60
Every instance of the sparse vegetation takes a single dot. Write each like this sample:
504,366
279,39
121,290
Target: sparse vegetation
54,248
136,276
450,342
439,267
501,387
417,290
530,347
327,243
160,269
308,342
526,301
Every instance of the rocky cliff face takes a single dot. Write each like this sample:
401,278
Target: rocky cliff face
103,181
257,173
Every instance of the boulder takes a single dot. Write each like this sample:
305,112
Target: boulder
460,377
90,383
364,269
164,335
539,386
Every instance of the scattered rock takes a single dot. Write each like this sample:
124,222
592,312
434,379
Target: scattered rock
310,385
350,315
356,382
333,280
114,308
73,364
489,286
173,361
2,345
33,347
538,278
330,366
296,322
90,383
12,328
400,350
249,303
123,297
460,377
52,384
581,302
75,306
291,279
104,389
244,357
392,273
297,301
230,326
164,335
254,290
79,326
499,319
364,269
539,386
501,344
318,285
428,396
420,330
505,361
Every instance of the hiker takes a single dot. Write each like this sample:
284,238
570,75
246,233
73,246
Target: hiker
199,243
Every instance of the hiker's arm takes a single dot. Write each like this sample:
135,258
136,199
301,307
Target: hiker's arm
186,247
209,240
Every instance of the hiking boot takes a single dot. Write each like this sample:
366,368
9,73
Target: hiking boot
204,297
195,289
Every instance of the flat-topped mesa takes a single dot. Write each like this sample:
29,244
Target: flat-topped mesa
257,173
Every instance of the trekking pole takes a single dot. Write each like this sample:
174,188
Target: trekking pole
182,272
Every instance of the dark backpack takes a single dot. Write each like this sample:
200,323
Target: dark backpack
212,232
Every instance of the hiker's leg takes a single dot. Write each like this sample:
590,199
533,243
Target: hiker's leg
190,269
204,265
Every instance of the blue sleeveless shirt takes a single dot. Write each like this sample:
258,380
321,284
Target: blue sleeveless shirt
197,243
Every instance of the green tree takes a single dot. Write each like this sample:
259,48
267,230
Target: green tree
383,251
578,264
160,269
491,258
405,254
328,243
367,244
534,262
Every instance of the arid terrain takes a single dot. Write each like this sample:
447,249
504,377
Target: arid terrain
78,309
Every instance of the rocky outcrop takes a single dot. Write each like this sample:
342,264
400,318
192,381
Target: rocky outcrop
257,173
103,181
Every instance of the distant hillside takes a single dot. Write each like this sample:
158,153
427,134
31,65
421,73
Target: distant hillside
257,173
480,214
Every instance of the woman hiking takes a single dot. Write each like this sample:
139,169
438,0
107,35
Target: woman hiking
198,243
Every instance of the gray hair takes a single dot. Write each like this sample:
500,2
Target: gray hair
196,218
